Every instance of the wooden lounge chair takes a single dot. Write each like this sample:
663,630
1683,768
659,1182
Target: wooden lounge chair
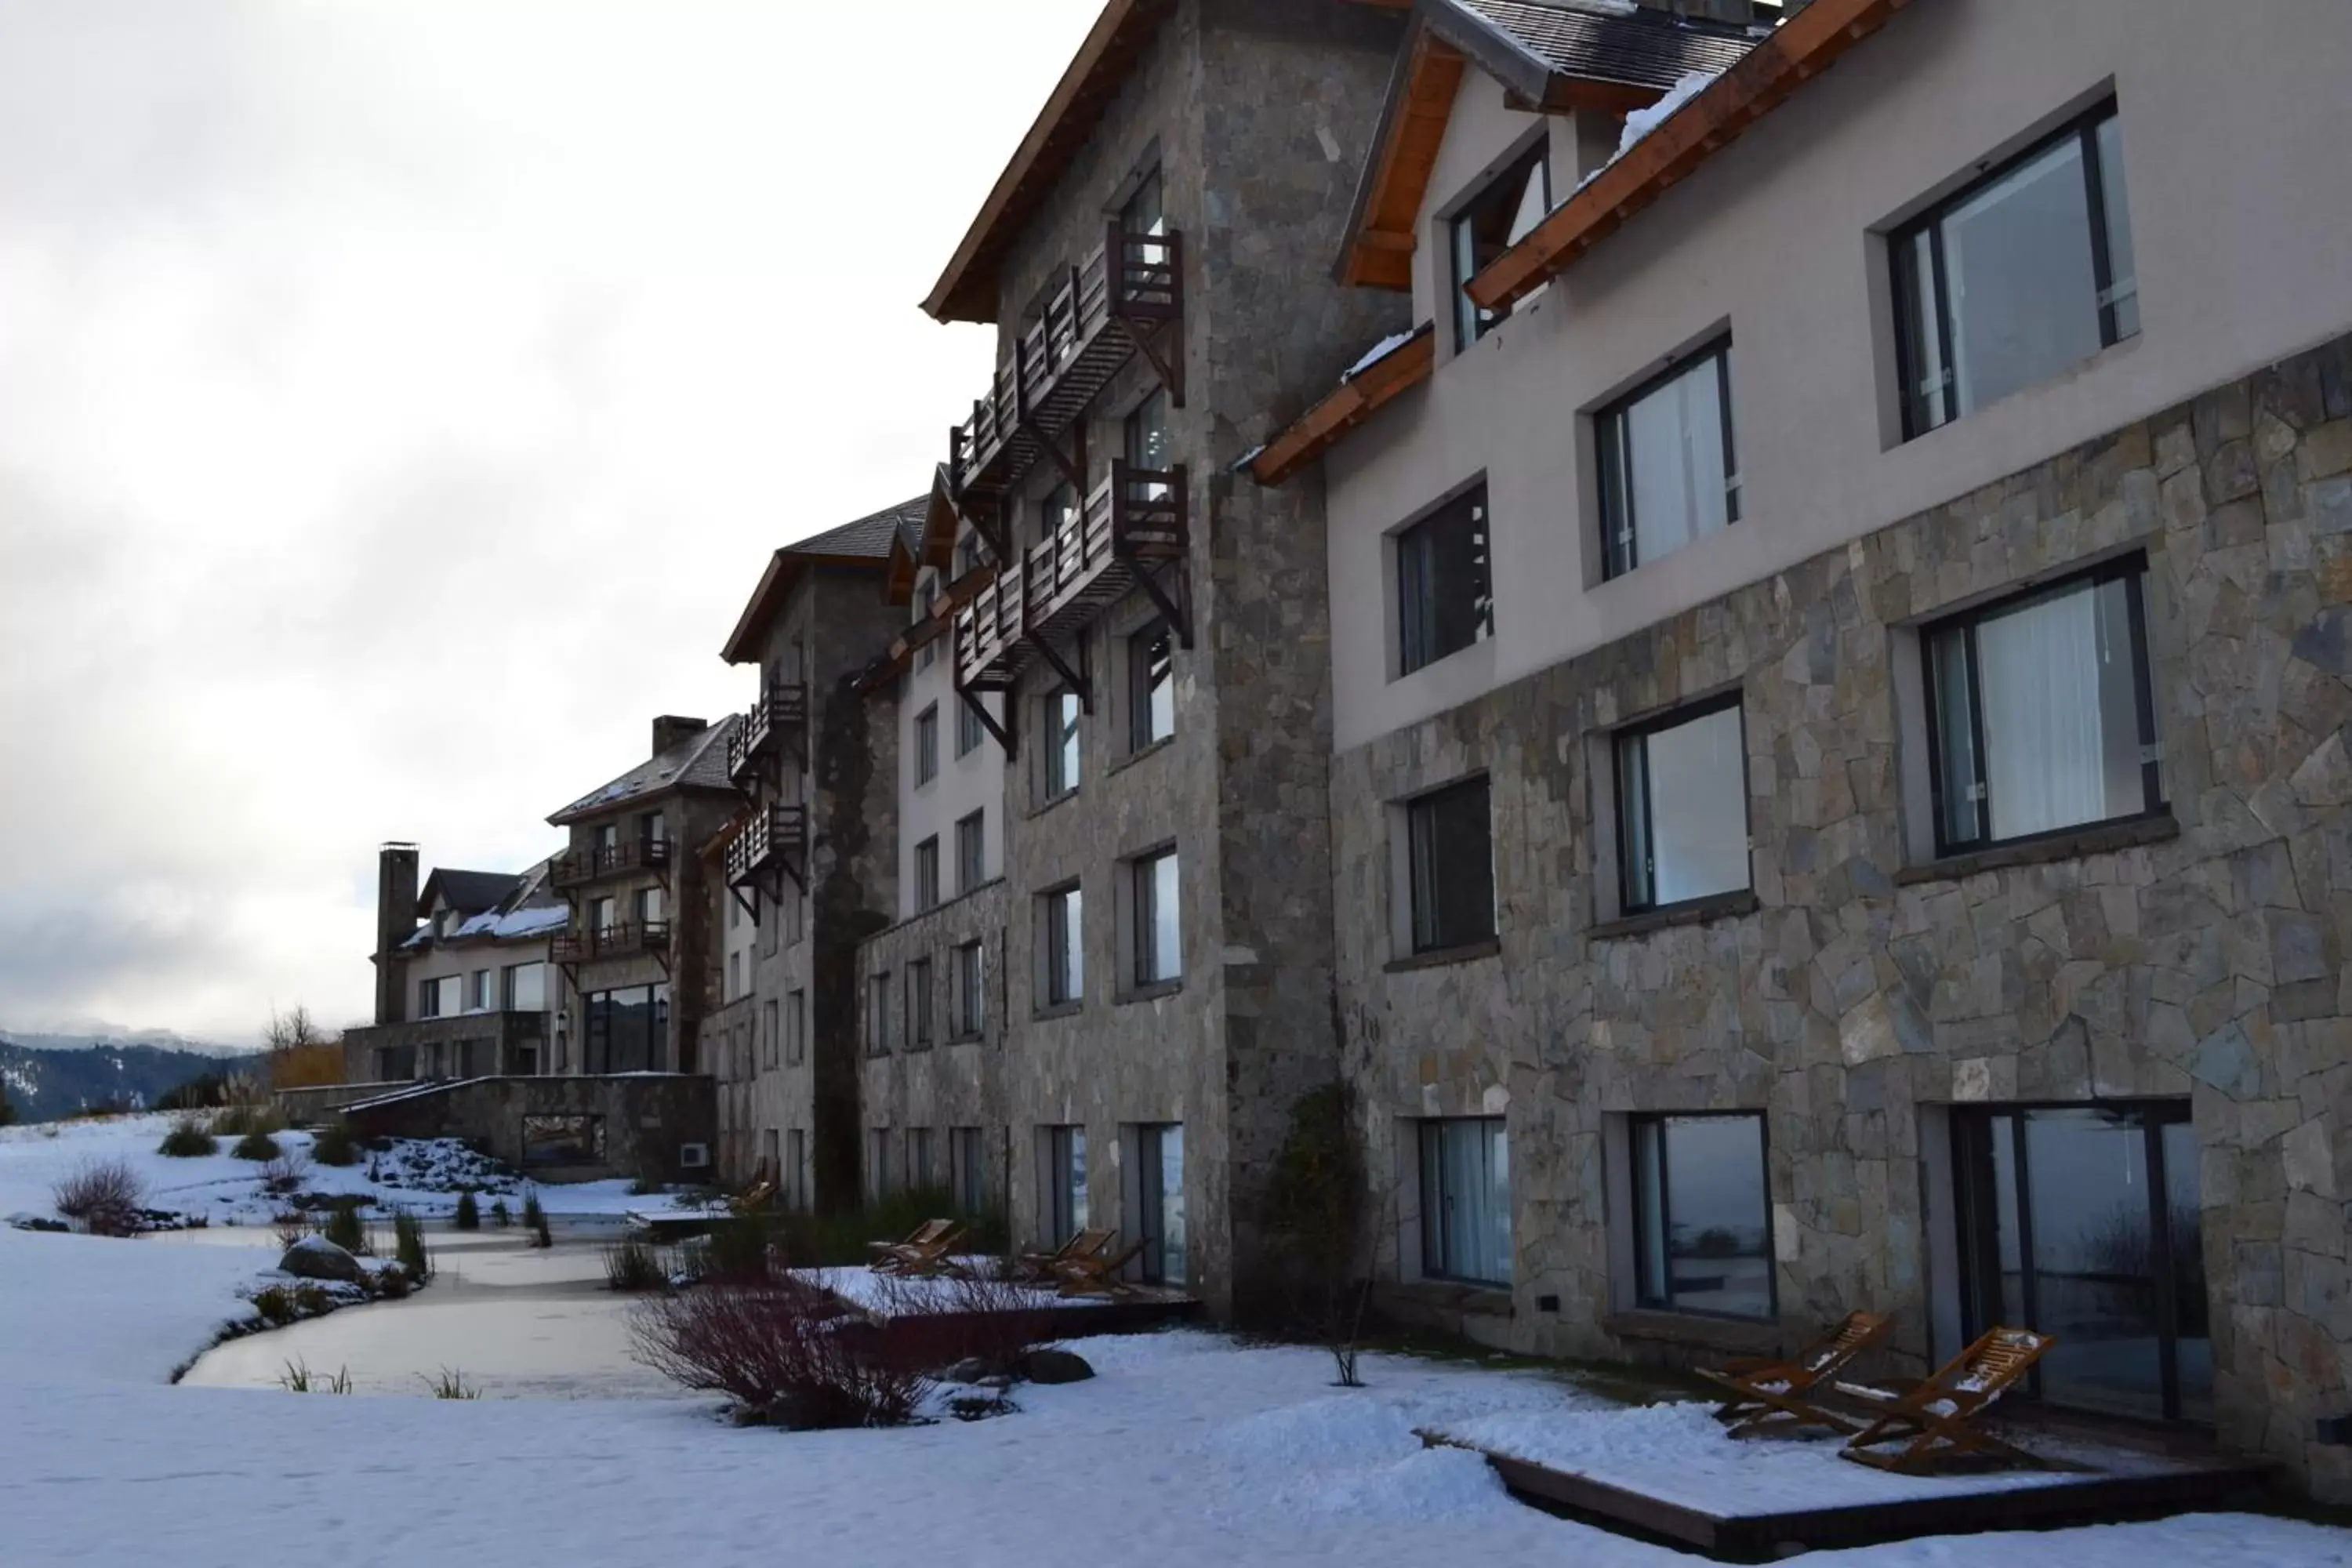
921,1245
753,1198
1770,1396
1098,1274
1039,1268
1934,1421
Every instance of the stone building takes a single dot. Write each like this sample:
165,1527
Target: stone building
1843,801
634,954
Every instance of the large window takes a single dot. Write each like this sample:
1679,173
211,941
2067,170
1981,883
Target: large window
964,1168
1450,843
1501,214
628,1029
1160,1193
1682,807
770,1032
922,1173
1445,598
927,873
1158,943
526,987
1062,1172
967,1000
878,1162
969,729
919,1003
926,745
1145,212
1064,934
1465,1200
1702,1228
2023,273
481,996
2039,713
878,1015
648,906
1669,471
971,852
795,1027
1151,686
1145,435
1061,748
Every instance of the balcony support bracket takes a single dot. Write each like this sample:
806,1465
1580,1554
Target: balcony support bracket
748,905
1005,733
1076,680
1168,367
1177,606
1073,470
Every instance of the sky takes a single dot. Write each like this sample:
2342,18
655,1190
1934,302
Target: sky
398,401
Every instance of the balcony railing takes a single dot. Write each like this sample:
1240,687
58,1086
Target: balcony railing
582,867
1134,523
1104,312
625,940
774,726
772,839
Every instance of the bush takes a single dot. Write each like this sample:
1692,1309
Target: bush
632,1265
535,1217
390,1284
737,1249
408,1247
840,1239
256,1146
783,1352
452,1384
344,1229
297,1378
187,1139
334,1145
469,1212
501,1216
283,1175
291,1225
243,1117
105,1197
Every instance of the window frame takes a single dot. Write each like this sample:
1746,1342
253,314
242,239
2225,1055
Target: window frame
968,733
1436,1223
926,874
1629,901
921,1005
1416,635
795,1027
1416,882
1904,287
2131,570
971,871
1144,908
1142,689
1062,745
1642,1300
968,990
1065,920
1612,447
1471,322
878,1014
927,746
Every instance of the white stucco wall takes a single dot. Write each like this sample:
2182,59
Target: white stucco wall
974,781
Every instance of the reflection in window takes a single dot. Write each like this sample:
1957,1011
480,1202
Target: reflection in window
1668,473
1445,591
1450,841
1061,758
1151,686
1497,218
1702,1233
1682,799
1158,943
1465,1200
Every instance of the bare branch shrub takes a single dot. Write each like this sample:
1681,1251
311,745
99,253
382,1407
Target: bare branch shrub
784,1353
105,1197
979,1314
283,1173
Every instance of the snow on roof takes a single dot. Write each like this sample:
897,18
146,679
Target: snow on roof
1373,355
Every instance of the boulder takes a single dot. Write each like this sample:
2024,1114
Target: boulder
1055,1366
970,1370
316,1257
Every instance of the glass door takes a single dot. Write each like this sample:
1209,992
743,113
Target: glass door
2082,1222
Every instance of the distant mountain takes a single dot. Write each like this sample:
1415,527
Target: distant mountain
49,1075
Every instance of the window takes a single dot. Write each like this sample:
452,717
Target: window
1500,215
1669,472
2040,713
1145,212
918,1002
734,986
563,1140
479,996
1451,846
967,556
795,1027
769,1042
964,1157
927,873
1065,980
968,972
1682,807
972,851
608,840
1158,945
926,745
1151,686
1160,1184
796,1172
1060,509
1062,1167
649,905
769,1171
926,598
428,998
969,729
602,915
2023,273
526,987
923,1177
1061,746
1445,600
878,1162
1466,1201
627,1030
1702,1229
1146,441
878,1015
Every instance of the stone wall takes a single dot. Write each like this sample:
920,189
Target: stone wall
467,1045
2199,958
955,1080
647,1117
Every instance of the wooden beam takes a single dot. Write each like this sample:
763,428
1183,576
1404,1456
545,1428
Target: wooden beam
1355,401
1802,48
1381,254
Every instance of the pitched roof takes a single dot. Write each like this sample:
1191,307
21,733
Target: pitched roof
1394,366
1554,56
467,892
699,762
862,544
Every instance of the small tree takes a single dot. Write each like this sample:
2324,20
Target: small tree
1323,1225
301,1054
8,1111
469,1212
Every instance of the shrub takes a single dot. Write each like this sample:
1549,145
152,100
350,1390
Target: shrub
408,1247
501,1216
390,1284
840,1239
275,1305
284,1173
535,1217
783,1351
452,1384
632,1265
256,1146
344,1229
986,1316
469,1212
291,1225
246,1115
105,1197
187,1139
737,1249
334,1145
297,1378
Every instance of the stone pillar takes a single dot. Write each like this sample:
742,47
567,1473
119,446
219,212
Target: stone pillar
395,921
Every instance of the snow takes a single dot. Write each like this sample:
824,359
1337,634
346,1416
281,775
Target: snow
1377,352
1186,1448
1641,122
889,1295
521,922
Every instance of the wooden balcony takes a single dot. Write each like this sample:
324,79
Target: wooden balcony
1107,308
770,844
583,866
1133,523
627,940
776,725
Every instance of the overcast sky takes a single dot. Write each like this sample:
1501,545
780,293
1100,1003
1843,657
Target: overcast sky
398,401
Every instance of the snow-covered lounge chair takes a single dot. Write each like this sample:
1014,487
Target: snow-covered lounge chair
1043,1268
1934,1420
1771,1396
923,1251
1098,1274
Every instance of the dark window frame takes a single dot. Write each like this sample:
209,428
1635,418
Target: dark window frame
1141,686
972,870
968,731
1612,441
921,1007
926,874
1642,1296
1471,322
1436,1223
1063,937
1637,897
1422,861
1062,744
968,990
2083,127
2132,571
1144,905
1416,587
926,745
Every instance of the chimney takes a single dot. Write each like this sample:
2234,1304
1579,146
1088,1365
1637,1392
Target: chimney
671,731
396,922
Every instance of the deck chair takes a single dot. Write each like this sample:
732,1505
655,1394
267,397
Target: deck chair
1097,1273
890,1255
1768,1397
1039,1268
923,1259
1934,1421
753,1198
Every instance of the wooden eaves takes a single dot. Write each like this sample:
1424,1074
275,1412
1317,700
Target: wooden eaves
1355,401
1801,48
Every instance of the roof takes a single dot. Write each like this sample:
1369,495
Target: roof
467,892
966,291
1394,366
862,544
1553,55
697,763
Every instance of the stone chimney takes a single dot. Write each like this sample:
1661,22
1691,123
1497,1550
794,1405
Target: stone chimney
396,922
671,731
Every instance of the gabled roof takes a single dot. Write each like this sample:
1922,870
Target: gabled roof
930,543
863,544
467,892
966,291
699,762
1552,56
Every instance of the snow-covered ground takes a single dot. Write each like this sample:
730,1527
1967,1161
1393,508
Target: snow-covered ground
1186,1448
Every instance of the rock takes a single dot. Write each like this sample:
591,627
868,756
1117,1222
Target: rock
316,1257
971,1370
1055,1366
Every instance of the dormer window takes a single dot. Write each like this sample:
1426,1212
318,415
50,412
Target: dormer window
1504,212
